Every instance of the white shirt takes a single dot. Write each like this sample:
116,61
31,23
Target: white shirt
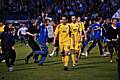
50,31
22,30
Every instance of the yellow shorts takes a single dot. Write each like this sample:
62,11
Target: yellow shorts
76,47
64,46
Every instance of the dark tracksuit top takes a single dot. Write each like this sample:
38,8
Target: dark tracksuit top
112,33
32,43
7,41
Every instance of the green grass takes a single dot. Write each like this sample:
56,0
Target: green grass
94,68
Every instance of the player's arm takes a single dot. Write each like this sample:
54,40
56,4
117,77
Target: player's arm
56,34
80,32
18,31
72,35
37,31
81,38
30,34
73,39
85,34
83,27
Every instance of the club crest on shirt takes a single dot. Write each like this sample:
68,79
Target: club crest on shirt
67,28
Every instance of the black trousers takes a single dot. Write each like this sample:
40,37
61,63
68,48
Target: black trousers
34,46
24,39
9,55
113,45
94,44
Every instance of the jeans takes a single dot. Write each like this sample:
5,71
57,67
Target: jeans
9,55
94,44
24,39
34,46
43,52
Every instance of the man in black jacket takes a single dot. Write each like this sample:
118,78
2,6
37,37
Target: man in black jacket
32,32
112,35
7,43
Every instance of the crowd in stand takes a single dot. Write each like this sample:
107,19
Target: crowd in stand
23,9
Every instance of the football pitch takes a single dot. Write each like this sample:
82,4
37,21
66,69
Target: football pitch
93,68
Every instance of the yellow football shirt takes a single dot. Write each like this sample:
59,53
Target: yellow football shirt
76,30
81,24
2,28
63,31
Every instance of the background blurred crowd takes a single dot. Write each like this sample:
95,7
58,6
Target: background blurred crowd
24,9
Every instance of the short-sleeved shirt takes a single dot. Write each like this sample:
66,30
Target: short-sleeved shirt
64,32
43,34
96,33
81,24
50,31
76,30
23,30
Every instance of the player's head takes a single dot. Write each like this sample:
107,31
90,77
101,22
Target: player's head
97,19
100,19
1,23
118,19
6,28
34,23
64,19
94,21
47,20
107,20
10,25
79,19
90,22
23,24
114,21
73,18
85,18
